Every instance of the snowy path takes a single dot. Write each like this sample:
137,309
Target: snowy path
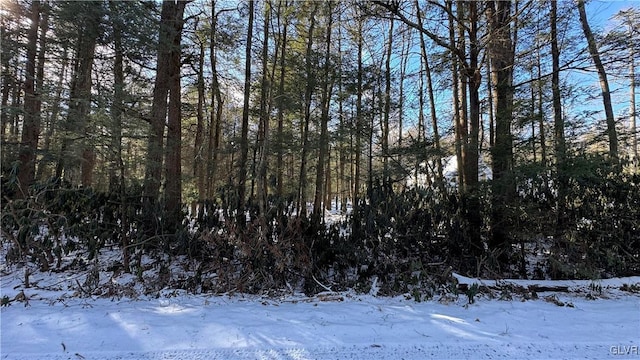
199,327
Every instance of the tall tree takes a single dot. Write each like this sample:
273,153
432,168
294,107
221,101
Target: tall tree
280,103
558,121
173,154
217,102
31,127
308,94
604,83
359,120
432,102
167,81
265,109
327,85
88,16
244,136
501,53
387,107
199,146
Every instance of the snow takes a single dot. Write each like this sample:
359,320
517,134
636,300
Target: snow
176,325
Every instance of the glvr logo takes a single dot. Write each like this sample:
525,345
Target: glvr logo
624,350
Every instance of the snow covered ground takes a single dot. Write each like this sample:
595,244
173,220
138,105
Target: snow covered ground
55,325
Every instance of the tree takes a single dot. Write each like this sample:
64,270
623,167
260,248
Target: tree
265,110
167,83
173,157
308,93
432,103
558,122
280,102
78,124
327,86
623,44
244,137
199,146
604,83
32,103
501,53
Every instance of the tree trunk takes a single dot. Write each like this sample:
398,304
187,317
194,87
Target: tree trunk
116,163
455,95
80,101
244,135
31,127
117,170
217,103
343,184
265,97
387,109
280,105
310,81
173,155
7,85
199,159
503,185
632,107
559,138
167,84
471,156
318,213
432,103
153,170
604,83
358,129
540,114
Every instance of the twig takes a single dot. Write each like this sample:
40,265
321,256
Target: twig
322,285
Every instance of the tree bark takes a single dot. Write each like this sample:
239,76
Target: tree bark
604,83
265,99
244,135
281,104
80,100
308,93
472,77
501,55
153,170
432,103
559,138
173,155
387,109
31,127
199,160
318,213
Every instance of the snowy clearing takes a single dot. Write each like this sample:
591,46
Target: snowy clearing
327,326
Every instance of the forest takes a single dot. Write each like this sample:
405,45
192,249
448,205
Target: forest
283,144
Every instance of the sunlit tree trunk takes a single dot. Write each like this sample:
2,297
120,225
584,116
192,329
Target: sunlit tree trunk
173,151
604,83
